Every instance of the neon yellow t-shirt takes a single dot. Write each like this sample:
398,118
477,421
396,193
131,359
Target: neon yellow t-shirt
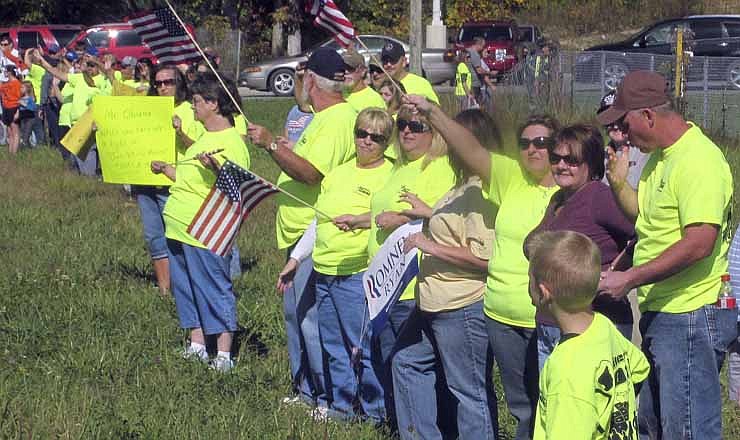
462,76
326,143
689,182
82,94
347,189
587,386
65,111
417,85
241,124
365,98
35,75
192,128
194,182
429,184
522,204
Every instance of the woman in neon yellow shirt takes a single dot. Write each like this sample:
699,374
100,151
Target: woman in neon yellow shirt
200,279
521,189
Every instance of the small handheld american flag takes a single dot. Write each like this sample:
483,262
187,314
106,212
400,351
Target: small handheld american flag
329,17
165,36
235,194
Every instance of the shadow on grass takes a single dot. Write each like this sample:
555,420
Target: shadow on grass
251,340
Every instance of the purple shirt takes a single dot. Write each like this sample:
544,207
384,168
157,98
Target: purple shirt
593,212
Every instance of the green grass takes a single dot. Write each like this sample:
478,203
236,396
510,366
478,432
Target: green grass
89,347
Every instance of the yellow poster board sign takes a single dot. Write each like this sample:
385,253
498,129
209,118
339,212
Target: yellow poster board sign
79,139
132,131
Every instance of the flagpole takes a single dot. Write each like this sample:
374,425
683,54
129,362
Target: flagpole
304,203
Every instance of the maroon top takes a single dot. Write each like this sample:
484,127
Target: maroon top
593,212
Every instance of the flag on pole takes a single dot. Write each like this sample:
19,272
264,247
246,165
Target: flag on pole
235,194
164,35
329,17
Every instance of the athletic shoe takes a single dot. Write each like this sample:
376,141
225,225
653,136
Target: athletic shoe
221,364
191,354
319,414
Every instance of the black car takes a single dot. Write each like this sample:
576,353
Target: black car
708,36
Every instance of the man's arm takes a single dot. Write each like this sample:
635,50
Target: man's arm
616,174
48,67
294,165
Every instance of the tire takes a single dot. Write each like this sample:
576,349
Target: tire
613,74
733,76
282,82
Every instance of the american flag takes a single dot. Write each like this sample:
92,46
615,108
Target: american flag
231,199
164,35
329,17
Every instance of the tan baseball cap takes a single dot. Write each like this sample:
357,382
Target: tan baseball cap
639,89
353,60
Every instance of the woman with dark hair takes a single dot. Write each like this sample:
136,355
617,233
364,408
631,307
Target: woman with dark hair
521,188
447,330
584,204
200,279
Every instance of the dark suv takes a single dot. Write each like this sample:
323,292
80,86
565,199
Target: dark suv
713,35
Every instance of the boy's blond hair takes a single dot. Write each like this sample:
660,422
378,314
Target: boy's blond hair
568,263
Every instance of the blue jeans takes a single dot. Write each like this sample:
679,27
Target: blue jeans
733,367
235,268
302,331
89,166
681,398
456,342
202,288
343,316
548,337
151,202
515,351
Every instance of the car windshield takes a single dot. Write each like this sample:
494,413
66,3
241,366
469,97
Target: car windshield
489,33
525,33
64,36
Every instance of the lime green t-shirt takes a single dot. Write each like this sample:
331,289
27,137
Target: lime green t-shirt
192,128
35,75
462,76
194,182
326,143
365,98
82,94
241,124
347,189
521,205
587,387
689,182
65,111
417,85
429,184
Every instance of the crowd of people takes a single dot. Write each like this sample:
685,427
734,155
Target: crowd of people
526,255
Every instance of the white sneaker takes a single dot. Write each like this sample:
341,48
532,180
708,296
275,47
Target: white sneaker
190,353
222,364
319,414
291,400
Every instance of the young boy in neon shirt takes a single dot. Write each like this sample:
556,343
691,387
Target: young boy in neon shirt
589,383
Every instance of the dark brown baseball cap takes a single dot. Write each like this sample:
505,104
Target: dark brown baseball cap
639,89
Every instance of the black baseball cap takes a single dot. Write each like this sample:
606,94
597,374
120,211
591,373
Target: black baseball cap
328,63
638,89
607,101
392,52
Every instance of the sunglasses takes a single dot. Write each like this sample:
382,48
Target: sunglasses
540,142
164,82
569,159
414,126
377,138
91,65
4,44
613,127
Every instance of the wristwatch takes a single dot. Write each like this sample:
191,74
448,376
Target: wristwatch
273,146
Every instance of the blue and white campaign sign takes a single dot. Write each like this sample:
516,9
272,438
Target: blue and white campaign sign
390,271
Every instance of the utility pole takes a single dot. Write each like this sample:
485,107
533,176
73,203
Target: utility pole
437,31
416,37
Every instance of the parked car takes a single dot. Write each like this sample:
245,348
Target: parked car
118,39
276,75
712,35
41,35
501,37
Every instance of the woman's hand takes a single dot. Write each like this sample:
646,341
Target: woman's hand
285,277
419,209
209,162
419,103
158,166
418,241
177,123
390,220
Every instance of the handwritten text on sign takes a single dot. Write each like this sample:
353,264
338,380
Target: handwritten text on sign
132,132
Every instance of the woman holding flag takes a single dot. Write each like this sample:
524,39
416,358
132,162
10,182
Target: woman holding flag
200,279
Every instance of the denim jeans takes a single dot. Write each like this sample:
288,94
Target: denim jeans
151,201
235,268
681,398
515,351
89,166
733,364
51,114
548,337
456,343
344,327
302,331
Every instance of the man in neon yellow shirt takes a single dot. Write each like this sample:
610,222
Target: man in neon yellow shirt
356,92
463,82
393,58
587,386
682,209
326,143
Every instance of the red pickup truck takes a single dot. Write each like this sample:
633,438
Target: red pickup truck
502,37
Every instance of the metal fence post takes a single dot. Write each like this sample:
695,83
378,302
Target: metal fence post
706,91
652,63
238,53
602,75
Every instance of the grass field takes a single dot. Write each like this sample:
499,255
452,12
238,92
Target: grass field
90,348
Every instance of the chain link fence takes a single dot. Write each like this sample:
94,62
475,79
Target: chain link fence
580,79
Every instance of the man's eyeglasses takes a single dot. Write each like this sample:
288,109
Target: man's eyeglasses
4,44
165,82
569,159
414,126
540,142
375,137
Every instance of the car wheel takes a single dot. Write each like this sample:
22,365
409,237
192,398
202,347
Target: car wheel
282,82
613,74
733,75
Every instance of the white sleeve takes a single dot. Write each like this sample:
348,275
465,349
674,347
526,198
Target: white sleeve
304,247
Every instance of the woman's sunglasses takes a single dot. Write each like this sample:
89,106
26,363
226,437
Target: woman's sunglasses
165,82
414,126
377,138
569,159
540,142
